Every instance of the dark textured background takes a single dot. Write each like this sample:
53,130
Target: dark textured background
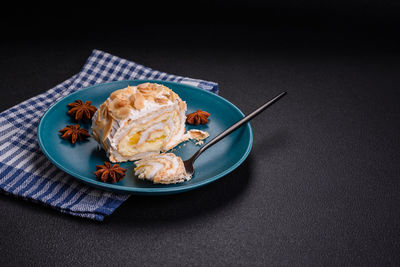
321,185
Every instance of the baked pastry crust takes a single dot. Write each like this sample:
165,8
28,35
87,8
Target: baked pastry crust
138,121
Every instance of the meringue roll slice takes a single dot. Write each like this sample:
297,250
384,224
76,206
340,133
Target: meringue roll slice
165,168
139,121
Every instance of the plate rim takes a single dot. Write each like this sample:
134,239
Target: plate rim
135,190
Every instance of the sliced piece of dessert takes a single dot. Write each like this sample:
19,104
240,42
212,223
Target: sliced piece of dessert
165,168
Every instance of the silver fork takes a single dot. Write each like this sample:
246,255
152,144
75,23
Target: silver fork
189,162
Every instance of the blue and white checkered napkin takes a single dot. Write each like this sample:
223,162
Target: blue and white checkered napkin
24,170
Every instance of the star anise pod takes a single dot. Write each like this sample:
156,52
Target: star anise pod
106,173
198,117
74,133
81,111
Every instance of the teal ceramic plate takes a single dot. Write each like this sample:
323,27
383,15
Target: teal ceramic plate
80,160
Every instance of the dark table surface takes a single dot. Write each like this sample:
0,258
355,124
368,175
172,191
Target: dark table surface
320,186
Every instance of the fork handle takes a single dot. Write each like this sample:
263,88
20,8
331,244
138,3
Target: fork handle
236,125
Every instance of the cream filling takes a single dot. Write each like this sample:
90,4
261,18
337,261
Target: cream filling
149,137
150,170
168,120
115,137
